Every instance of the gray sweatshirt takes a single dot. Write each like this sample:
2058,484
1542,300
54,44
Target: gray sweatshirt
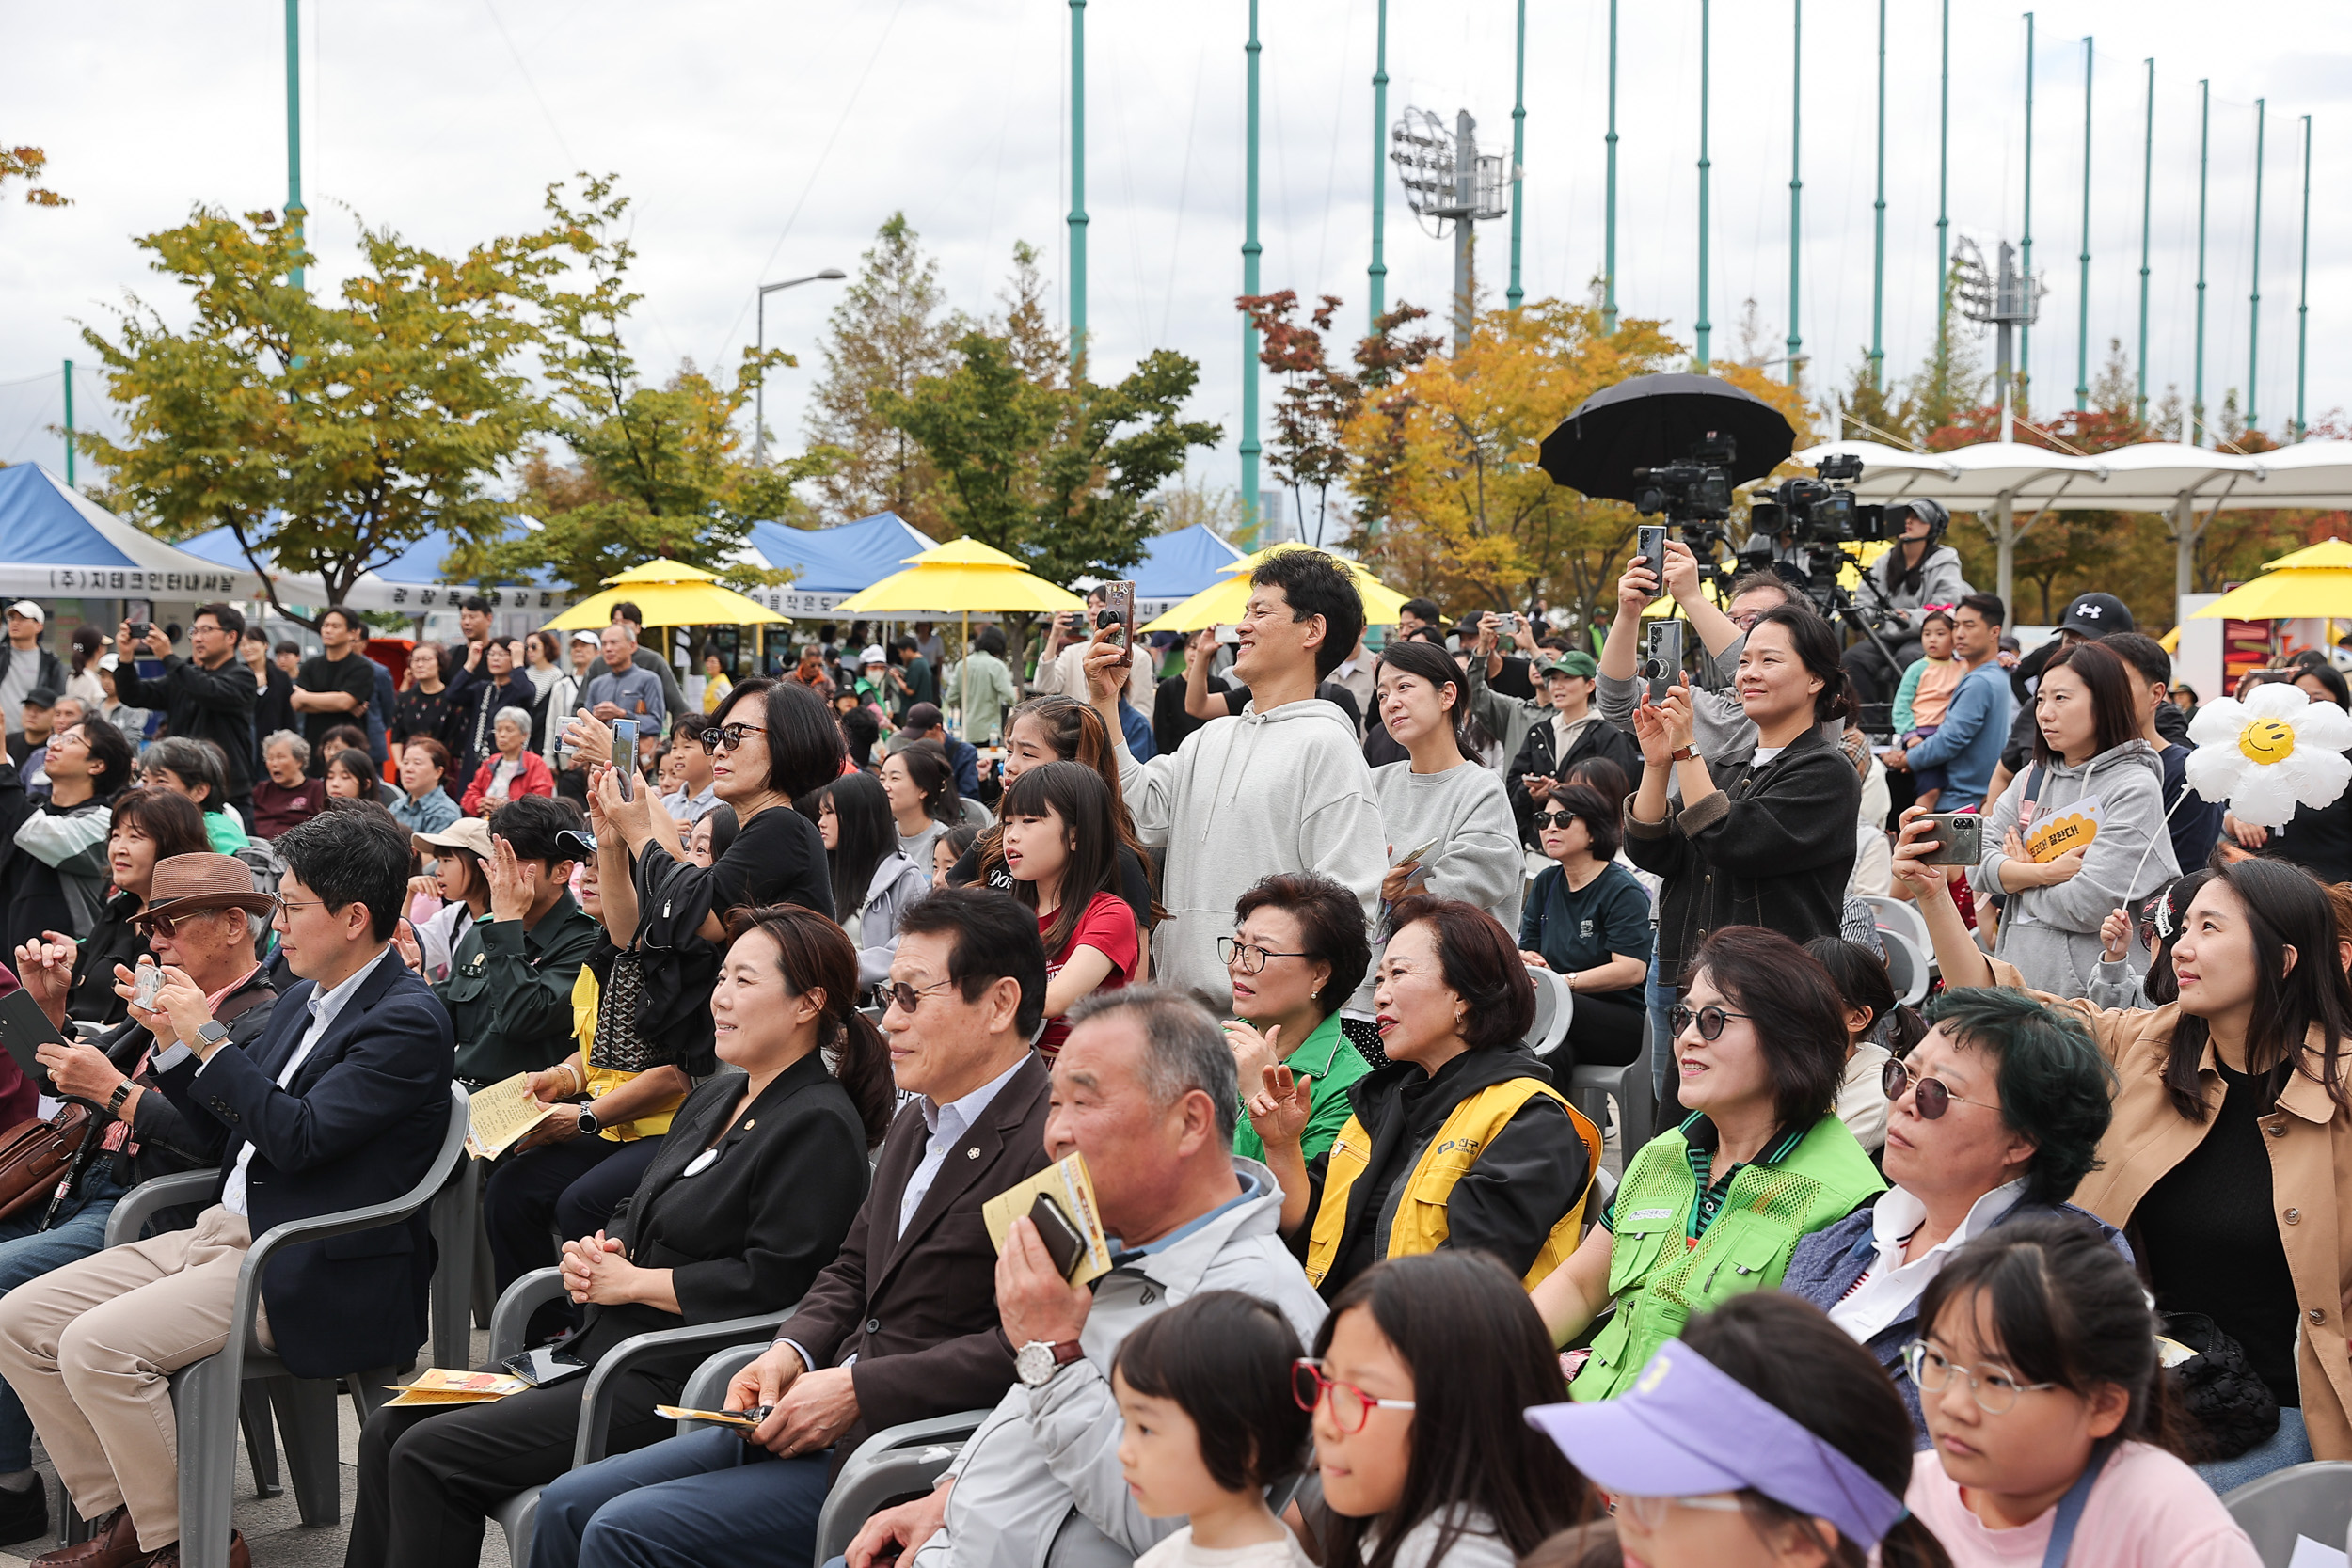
1464,808
2052,933
1244,797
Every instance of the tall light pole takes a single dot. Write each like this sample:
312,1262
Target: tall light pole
759,398
2204,151
1796,177
1519,153
1878,241
1249,250
1703,326
2082,303
2254,293
1376,275
2147,186
2303,288
1077,183
2024,334
1943,196
294,211
69,424
1609,218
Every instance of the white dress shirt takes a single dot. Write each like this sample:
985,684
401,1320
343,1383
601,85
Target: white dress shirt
1892,1285
324,1006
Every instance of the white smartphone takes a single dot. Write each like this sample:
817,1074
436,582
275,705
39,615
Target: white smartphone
624,755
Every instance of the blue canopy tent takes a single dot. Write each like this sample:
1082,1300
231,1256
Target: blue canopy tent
412,583
1177,566
828,564
57,542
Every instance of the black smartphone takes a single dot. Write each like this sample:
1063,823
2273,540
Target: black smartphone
1959,838
544,1365
23,1029
1063,1242
1650,544
1662,658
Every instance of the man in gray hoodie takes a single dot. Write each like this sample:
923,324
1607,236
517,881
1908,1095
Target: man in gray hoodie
1280,786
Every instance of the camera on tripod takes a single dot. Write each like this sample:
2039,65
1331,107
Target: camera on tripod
1692,489
1819,510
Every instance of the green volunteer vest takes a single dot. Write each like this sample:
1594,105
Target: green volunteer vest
1659,1281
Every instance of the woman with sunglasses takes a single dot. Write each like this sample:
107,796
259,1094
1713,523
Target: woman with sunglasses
1712,1209
1588,921
1992,1118
2229,1156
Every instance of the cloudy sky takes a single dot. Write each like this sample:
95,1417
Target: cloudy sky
762,142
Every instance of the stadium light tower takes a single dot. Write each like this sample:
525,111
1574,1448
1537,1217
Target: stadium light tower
1446,181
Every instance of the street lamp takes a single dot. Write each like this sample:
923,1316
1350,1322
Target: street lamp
759,408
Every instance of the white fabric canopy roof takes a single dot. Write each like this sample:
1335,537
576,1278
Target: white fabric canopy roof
2153,476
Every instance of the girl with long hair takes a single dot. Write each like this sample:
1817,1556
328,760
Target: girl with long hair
921,786
873,881
1417,1385
2226,1156
2045,1406
351,776
1061,845
2087,752
1062,729
1438,795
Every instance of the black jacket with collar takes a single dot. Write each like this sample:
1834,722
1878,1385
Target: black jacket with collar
358,1123
1539,755
202,705
1773,846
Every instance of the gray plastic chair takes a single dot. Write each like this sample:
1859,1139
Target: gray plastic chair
896,1462
742,1338
2313,1499
210,1397
1590,1089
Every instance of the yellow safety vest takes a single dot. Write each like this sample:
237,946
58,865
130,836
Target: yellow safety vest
1421,1216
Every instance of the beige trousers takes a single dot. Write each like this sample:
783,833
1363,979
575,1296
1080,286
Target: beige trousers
90,1348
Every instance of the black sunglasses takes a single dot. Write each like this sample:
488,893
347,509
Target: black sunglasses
1554,818
1709,1019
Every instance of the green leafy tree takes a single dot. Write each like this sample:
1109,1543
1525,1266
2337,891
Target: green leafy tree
891,328
333,432
659,470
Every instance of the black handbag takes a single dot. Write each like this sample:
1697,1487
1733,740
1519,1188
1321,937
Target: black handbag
2225,1409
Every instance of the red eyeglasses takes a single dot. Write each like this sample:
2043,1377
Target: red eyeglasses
1350,1406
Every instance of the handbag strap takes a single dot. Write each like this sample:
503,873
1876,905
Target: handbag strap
2070,1507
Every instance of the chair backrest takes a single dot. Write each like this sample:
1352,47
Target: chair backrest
1894,914
1906,966
2313,1499
1555,1005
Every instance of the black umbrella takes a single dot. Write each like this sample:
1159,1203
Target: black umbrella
1655,419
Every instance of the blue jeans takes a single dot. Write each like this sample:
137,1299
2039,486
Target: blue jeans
25,1255
1659,998
692,1502
2289,1445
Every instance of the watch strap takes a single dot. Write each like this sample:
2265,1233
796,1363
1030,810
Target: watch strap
113,1100
212,1031
1685,754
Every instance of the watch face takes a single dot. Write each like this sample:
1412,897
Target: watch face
1034,1362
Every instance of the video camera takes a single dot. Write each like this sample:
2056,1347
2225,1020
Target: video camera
1819,510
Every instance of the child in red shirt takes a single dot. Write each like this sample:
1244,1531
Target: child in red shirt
1062,848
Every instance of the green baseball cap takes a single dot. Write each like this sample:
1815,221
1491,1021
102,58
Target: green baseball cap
1581,665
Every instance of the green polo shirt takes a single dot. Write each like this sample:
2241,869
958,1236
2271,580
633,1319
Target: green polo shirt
1328,1059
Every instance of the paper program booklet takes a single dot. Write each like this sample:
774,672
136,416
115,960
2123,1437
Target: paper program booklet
500,1115
1066,1182
437,1386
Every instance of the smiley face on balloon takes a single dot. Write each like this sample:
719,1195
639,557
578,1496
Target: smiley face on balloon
2273,751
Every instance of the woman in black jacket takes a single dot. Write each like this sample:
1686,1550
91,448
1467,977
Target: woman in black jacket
1765,834
748,1199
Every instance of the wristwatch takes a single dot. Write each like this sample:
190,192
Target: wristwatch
113,1100
1684,753
589,1125
210,1033
1040,1359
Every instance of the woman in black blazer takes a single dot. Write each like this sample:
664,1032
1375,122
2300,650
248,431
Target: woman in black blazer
751,1196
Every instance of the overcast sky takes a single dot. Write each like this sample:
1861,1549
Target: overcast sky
762,142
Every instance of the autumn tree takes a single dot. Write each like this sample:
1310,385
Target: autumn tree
657,471
1308,452
332,433
891,328
25,163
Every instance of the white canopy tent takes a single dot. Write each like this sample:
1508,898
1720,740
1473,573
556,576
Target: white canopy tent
2189,483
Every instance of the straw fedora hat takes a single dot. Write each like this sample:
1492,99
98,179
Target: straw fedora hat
186,885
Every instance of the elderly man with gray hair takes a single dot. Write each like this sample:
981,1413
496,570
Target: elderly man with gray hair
1144,1087
511,771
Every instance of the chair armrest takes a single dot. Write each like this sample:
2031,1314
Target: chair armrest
596,1399
915,1435
516,1303
891,1463
149,1199
709,1382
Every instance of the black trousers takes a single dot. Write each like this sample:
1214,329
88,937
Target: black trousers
429,1474
1600,1034
1874,679
573,1186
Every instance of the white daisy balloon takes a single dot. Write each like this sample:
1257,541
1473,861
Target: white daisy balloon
2270,753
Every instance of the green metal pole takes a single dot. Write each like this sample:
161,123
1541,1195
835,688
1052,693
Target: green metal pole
1077,183
1704,325
2254,294
69,424
2024,331
2204,149
1376,277
2147,186
1878,240
1249,250
1608,221
2082,309
294,209
2303,288
1942,195
1519,153
1796,171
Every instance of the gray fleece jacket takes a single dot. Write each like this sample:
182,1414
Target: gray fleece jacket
1464,808
2052,933
1244,797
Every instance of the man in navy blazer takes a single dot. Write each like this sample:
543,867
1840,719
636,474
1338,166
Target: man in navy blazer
343,1103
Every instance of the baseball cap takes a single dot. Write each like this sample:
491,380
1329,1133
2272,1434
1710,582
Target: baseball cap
109,661
1686,1428
593,639
1574,663
30,611
2096,614
873,655
467,832
922,715
41,696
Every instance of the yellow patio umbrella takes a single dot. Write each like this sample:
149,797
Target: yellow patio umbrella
1222,605
2315,583
955,579
671,593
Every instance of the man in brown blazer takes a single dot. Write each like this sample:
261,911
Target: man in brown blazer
903,1324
